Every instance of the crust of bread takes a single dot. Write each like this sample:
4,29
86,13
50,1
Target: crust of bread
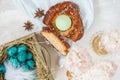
78,32
55,39
72,10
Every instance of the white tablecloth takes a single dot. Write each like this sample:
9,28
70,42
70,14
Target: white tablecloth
107,16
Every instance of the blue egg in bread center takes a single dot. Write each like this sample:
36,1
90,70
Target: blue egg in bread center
31,63
22,48
22,56
63,22
11,51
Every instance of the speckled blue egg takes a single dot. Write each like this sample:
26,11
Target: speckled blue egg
31,63
22,48
29,56
25,67
15,62
11,51
2,69
22,56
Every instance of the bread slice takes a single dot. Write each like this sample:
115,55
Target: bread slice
56,40
70,9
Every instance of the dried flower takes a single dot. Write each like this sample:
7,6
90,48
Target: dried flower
28,25
39,13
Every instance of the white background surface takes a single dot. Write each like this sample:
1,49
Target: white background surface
107,16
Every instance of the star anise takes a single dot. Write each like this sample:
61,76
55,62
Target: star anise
39,13
28,25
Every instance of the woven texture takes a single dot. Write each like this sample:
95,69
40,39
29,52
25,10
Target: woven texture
43,72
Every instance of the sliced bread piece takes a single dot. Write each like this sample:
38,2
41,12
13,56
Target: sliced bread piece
56,40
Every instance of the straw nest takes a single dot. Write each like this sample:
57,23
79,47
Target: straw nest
43,72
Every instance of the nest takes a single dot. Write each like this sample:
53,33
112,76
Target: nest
43,72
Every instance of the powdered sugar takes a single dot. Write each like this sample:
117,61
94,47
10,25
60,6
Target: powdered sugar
79,63
78,60
110,40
